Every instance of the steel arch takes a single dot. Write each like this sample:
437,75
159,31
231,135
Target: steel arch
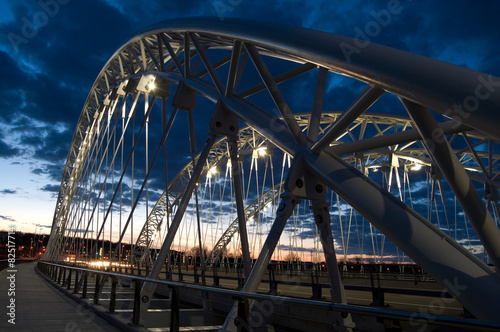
425,83
250,140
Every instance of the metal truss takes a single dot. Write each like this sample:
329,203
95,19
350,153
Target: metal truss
407,153
218,156
196,54
270,196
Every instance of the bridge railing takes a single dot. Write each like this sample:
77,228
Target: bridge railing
314,273
74,277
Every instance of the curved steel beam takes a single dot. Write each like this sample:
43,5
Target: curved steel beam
463,274
426,81
473,97
250,211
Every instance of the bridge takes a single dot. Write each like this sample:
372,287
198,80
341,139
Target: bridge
230,175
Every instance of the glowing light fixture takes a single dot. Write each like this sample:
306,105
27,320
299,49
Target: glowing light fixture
150,86
416,167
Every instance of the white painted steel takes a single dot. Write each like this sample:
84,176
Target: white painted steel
172,45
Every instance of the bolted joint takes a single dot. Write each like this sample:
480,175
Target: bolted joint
184,98
302,183
224,122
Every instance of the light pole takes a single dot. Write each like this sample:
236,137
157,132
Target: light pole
33,243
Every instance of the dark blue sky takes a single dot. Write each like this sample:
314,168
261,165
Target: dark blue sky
51,51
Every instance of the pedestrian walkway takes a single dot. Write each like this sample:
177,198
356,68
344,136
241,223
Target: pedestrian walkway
40,307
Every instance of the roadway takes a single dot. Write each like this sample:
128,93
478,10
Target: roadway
41,307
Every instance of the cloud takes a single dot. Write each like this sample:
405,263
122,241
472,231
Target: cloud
45,83
79,231
7,218
308,234
8,191
42,226
7,150
291,248
51,188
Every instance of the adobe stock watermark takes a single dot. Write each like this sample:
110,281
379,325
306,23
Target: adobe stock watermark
436,306
32,25
11,275
484,89
372,29
460,112
223,6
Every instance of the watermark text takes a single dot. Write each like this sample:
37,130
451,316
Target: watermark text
11,275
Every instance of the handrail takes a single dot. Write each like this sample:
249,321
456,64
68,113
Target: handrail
353,309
